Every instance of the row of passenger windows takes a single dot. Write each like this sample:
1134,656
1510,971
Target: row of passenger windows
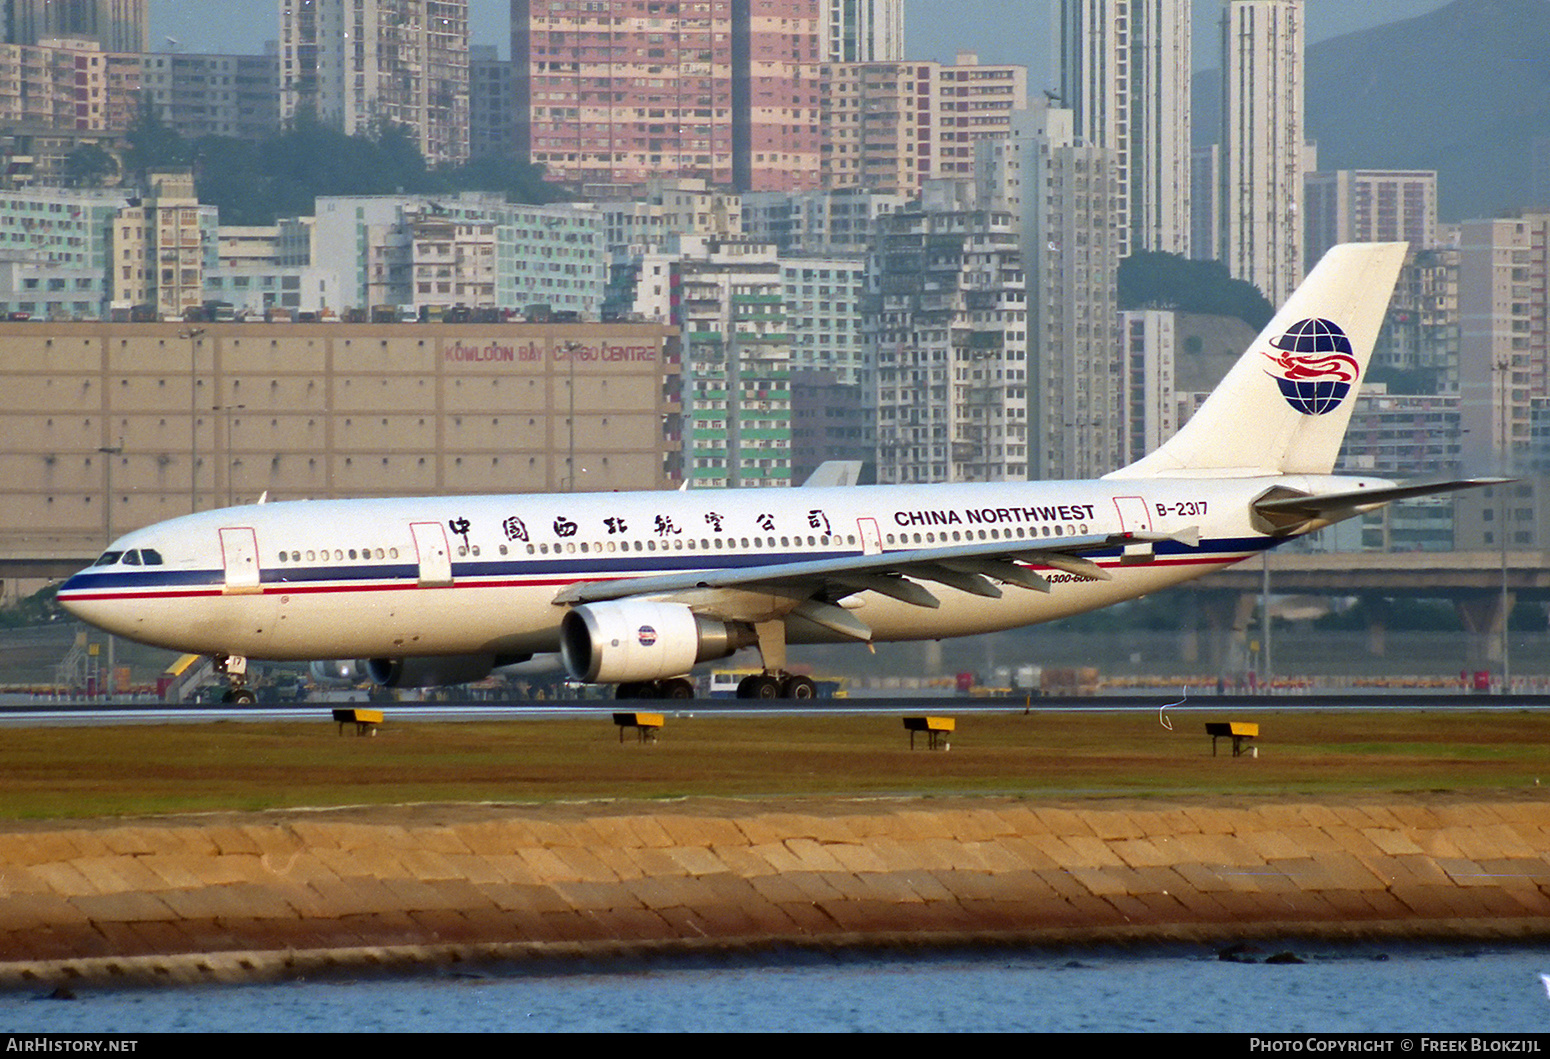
338,554
678,544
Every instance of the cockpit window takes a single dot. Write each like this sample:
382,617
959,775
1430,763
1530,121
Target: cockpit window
108,559
132,558
150,556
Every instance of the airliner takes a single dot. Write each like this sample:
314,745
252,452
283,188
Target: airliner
636,589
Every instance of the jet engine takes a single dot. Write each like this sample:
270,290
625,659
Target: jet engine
350,671
431,671
628,640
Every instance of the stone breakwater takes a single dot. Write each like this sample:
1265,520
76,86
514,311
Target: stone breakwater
228,897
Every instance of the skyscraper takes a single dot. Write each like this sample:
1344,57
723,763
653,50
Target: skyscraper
1262,144
1125,74
361,63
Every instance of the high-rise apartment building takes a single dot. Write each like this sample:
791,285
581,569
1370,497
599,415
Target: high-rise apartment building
823,299
1504,310
863,31
616,92
892,126
1370,206
1151,352
360,63
1125,74
728,298
116,25
946,320
491,89
1072,190
1263,144
1063,195
212,95
162,245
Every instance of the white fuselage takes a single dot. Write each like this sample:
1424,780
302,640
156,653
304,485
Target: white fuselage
479,574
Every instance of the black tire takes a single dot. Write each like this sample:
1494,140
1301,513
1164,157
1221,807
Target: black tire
679,689
242,697
765,687
798,688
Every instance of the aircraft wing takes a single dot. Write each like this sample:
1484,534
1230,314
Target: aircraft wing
815,585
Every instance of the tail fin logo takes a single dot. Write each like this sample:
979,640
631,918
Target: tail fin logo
1315,367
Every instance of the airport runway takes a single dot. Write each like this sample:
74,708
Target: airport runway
91,714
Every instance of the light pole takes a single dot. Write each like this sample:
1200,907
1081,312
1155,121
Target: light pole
193,334
226,410
1504,369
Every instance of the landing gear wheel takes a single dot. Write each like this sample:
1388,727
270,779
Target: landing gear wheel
798,688
678,689
763,686
628,690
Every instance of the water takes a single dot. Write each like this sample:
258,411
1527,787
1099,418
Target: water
1398,989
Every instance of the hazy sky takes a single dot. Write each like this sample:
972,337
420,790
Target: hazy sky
999,30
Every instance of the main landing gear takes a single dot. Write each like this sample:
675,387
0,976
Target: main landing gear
776,686
774,682
235,669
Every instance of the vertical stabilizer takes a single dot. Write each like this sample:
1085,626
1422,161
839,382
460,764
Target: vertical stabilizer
1283,408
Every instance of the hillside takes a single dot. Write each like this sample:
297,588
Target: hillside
1463,90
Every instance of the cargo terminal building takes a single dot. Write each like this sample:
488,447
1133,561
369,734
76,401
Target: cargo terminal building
164,418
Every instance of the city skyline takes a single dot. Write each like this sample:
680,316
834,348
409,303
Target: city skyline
243,27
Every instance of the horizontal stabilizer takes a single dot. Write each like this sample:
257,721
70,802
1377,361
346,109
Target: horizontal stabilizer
834,472
1288,513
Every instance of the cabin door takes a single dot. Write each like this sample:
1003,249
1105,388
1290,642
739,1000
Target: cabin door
239,557
871,539
1135,517
430,542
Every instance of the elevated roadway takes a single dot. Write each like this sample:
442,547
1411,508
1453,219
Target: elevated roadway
1429,575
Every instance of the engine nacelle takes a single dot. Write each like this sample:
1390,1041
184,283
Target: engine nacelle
628,640
431,671
339,671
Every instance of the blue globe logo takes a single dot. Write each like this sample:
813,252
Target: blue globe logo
1316,367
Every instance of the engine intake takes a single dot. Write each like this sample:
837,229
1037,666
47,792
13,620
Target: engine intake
627,640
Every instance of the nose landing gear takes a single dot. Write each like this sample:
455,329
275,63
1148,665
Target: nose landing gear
235,669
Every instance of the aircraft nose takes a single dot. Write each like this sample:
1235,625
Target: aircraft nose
66,597
76,599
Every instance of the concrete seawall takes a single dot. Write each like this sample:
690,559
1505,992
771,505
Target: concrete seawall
230,896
